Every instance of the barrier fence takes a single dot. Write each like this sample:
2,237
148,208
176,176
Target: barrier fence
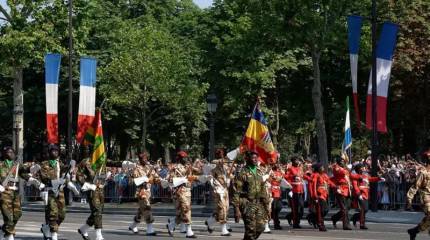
390,196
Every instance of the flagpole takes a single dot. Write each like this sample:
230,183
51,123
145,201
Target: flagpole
70,103
374,205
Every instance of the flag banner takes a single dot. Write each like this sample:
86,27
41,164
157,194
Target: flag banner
94,136
257,137
87,96
354,34
384,62
52,75
347,141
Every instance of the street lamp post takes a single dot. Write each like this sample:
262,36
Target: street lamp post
212,102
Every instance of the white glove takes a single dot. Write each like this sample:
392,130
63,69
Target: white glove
360,198
382,179
34,169
72,163
88,186
41,186
2,188
73,188
290,194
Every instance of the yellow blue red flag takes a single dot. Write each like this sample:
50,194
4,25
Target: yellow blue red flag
257,138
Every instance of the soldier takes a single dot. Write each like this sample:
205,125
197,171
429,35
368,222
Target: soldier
341,178
294,176
180,175
250,198
10,171
360,183
92,180
319,192
422,184
53,174
275,182
220,181
143,174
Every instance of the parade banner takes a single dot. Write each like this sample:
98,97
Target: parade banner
384,56
257,137
87,96
354,34
52,74
94,136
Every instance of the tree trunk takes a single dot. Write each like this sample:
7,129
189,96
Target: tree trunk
144,120
319,109
275,132
18,120
166,153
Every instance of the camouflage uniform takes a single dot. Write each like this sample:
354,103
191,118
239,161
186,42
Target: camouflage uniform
182,195
220,193
95,198
143,193
55,210
10,200
250,197
423,185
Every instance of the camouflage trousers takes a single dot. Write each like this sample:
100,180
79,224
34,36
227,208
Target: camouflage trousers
11,210
55,211
254,216
96,200
183,205
221,207
425,222
144,212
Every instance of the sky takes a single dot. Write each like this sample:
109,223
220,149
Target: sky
201,3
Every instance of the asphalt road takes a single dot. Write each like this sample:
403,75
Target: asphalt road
116,227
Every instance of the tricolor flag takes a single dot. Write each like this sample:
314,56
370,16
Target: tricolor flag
347,141
354,33
94,136
87,96
52,73
257,137
384,57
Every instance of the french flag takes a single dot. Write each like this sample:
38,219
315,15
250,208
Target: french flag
354,33
52,73
87,96
384,56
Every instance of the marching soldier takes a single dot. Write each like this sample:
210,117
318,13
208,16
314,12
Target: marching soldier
53,174
144,174
319,193
341,178
294,176
267,172
360,183
220,181
250,198
10,172
422,184
92,180
275,182
181,175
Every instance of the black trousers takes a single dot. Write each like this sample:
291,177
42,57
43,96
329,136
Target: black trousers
344,204
361,215
276,209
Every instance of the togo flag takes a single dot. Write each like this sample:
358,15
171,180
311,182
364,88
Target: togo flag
52,74
354,33
257,137
384,61
94,135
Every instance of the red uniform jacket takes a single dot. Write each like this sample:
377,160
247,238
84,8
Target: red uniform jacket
276,184
319,186
342,180
294,176
360,183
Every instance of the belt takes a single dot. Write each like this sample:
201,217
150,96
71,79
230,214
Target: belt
297,183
